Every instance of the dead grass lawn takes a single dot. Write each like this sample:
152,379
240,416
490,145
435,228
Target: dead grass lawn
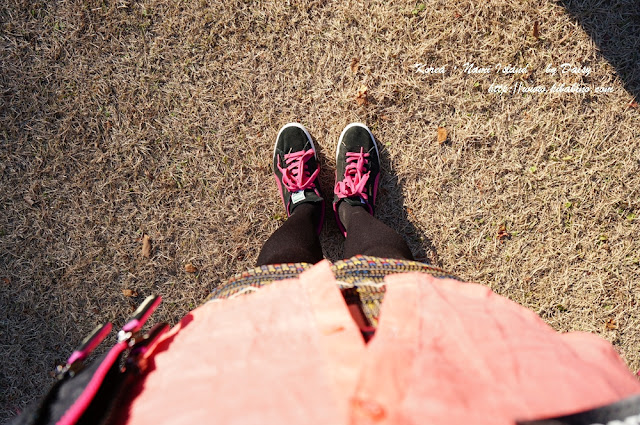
119,118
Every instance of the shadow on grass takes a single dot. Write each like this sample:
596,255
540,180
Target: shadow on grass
614,26
392,211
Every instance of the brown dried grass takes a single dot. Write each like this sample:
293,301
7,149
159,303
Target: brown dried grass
124,118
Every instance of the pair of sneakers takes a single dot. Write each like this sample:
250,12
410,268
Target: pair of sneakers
296,169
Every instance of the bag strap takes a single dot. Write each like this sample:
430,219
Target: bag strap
624,412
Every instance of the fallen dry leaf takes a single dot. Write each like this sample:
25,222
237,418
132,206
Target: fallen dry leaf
442,135
536,29
632,104
361,97
28,200
129,293
190,268
146,246
502,233
6,280
355,65
611,324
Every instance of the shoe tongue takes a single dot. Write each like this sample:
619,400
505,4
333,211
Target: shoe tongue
355,200
301,196
298,196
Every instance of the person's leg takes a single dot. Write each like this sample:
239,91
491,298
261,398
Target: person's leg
366,235
357,176
296,169
296,241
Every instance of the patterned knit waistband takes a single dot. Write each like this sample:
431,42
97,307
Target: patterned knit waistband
360,278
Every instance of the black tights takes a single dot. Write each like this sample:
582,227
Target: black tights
296,240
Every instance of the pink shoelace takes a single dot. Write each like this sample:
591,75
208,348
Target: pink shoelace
355,179
296,176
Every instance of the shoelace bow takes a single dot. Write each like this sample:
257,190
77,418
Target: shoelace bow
296,176
355,178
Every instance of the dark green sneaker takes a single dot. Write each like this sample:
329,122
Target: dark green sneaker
296,169
357,170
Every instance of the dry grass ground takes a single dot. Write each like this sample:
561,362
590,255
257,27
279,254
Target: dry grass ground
119,118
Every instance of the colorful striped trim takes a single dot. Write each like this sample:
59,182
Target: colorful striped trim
360,278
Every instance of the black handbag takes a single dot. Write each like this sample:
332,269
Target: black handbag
85,393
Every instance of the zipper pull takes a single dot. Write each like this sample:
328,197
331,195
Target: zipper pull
88,344
139,317
143,345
